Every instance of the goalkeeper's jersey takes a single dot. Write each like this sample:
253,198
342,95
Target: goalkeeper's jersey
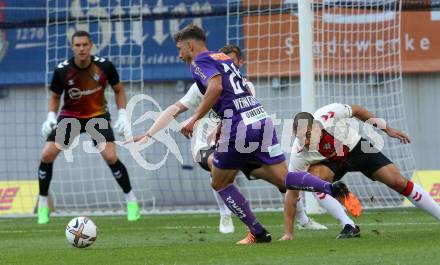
83,88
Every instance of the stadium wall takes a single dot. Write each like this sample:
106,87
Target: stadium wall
422,96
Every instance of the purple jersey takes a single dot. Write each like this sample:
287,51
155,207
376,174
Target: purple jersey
245,123
235,101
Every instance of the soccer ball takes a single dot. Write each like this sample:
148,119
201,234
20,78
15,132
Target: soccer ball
81,232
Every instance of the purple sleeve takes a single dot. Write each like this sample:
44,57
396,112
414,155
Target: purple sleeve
204,70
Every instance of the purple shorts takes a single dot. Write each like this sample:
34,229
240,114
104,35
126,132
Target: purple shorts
256,142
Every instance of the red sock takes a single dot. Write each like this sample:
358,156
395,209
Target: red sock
409,188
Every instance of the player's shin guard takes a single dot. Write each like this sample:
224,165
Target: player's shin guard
44,177
238,204
302,180
421,199
121,175
333,207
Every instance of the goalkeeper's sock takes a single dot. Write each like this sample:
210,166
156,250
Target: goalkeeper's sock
238,204
130,197
333,207
121,175
44,177
301,216
302,180
421,199
42,201
224,210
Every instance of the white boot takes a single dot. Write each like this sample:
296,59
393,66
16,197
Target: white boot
226,225
311,225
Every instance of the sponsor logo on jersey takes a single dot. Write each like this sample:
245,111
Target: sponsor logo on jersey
254,115
96,77
70,82
76,93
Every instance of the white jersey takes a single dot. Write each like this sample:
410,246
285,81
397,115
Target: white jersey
335,120
208,124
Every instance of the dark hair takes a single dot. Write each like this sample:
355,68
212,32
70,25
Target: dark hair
81,33
190,32
301,117
231,48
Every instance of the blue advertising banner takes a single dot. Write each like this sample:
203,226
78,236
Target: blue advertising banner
131,33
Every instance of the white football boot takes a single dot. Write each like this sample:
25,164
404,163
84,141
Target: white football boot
311,225
226,225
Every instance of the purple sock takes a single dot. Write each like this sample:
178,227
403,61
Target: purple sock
238,204
302,180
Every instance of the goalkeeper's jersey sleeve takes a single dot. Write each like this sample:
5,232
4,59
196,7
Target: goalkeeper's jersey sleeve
83,88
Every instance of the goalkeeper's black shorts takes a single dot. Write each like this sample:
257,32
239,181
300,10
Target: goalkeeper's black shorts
359,161
68,128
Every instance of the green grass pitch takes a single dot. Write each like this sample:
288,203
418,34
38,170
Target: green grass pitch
388,237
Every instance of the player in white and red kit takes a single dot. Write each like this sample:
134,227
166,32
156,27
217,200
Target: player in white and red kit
329,147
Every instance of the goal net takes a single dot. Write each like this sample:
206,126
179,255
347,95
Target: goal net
354,59
163,180
82,183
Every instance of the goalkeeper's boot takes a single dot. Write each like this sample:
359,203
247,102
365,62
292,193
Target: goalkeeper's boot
250,239
347,198
349,231
133,211
43,215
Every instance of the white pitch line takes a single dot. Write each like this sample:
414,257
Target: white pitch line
213,227
360,224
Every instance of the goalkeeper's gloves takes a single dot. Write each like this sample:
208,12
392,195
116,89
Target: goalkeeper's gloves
122,126
49,124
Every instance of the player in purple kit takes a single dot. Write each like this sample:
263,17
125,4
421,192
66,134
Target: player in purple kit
247,132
